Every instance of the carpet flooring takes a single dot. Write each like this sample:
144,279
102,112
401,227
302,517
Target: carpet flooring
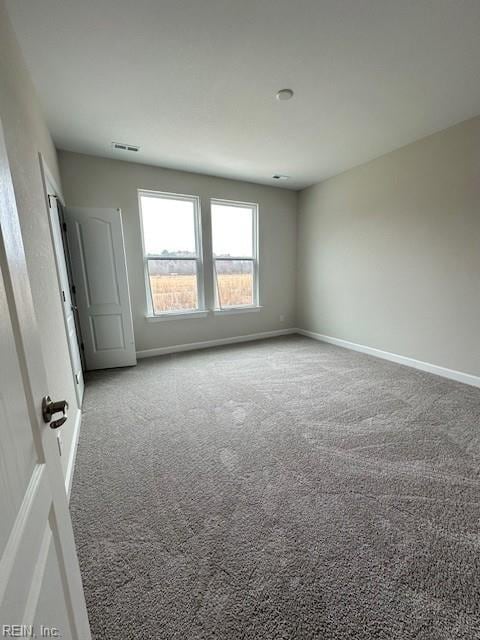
279,490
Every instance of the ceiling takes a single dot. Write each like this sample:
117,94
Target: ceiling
193,82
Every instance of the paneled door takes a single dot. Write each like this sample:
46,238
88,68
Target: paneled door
40,585
95,238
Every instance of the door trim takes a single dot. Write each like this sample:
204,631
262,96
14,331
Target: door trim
73,453
47,178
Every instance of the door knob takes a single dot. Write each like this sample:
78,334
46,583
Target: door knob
49,408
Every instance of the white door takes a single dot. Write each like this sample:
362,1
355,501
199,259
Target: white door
40,581
64,289
95,238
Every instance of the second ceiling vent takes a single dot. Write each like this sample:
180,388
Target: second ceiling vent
123,146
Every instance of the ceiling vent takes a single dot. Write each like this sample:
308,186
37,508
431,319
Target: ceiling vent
277,176
122,146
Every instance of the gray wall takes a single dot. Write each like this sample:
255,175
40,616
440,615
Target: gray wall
90,181
389,252
26,135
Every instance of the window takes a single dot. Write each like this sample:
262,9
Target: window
235,253
172,252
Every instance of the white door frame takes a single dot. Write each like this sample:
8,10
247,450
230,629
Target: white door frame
49,180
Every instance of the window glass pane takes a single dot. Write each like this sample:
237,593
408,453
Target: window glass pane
234,282
168,226
232,231
173,284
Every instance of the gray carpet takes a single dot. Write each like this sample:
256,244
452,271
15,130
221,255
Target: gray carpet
283,489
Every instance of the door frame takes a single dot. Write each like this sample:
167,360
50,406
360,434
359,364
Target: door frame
48,179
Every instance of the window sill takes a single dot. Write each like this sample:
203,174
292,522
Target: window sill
174,315
234,310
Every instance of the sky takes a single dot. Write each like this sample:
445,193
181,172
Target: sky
169,225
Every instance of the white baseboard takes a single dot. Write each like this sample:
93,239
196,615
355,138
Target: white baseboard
72,454
459,376
192,346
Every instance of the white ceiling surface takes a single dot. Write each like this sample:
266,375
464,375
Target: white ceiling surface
193,82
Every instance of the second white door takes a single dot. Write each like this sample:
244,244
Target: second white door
95,238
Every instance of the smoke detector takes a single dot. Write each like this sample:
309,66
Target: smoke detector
123,146
285,94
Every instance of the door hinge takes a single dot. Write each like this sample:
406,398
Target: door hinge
76,378
63,296
82,346
64,226
50,197
74,289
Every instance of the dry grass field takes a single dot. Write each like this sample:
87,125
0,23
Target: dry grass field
180,291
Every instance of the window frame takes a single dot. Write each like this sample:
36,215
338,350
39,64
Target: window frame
200,310
255,305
